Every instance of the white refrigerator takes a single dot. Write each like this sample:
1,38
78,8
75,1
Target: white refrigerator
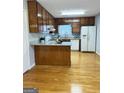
88,38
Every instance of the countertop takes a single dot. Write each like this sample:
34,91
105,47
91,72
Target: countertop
54,43
50,43
71,37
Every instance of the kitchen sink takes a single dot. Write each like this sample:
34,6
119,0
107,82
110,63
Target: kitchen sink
55,42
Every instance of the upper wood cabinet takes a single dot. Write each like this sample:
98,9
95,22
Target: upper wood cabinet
47,18
32,12
76,27
75,22
92,21
87,21
50,20
38,17
44,17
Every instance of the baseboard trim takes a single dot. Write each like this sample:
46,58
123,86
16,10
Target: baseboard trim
88,51
97,53
25,70
28,68
31,66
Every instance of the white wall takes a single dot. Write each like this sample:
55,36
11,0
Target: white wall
97,23
32,58
26,59
32,37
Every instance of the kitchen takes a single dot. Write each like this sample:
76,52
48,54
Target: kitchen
60,39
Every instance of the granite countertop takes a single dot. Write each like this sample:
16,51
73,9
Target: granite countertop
50,43
71,37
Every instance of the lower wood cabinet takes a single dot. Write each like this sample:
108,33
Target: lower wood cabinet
53,55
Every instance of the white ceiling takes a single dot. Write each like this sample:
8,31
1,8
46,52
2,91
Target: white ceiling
56,6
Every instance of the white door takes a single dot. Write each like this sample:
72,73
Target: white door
84,32
91,38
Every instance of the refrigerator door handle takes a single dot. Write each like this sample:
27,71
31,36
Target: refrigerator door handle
84,35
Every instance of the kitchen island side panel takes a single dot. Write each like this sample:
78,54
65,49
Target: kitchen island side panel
53,55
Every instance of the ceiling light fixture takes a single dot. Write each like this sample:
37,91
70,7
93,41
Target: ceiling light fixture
73,12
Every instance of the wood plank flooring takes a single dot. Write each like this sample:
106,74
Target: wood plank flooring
82,77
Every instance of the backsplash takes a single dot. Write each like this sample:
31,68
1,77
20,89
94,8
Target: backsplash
34,36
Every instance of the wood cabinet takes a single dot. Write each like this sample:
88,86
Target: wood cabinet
39,17
87,21
44,17
75,22
47,18
92,21
53,55
76,27
32,12
50,20
44,20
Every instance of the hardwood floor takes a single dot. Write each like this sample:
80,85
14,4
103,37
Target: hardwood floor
82,77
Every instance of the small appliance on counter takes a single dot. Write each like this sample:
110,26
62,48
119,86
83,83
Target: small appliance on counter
42,40
52,30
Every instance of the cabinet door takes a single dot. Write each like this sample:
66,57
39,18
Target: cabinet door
87,21
91,38
40,15
76,27
53,21
49,19
44,20
91,21
32,11
82,22
44,17
84,32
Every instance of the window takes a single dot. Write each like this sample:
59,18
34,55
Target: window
65,29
